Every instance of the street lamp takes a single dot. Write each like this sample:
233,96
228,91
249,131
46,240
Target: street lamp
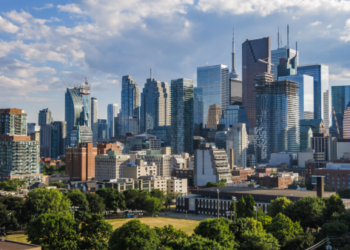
217,190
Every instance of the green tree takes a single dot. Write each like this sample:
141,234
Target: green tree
96,203
168,200
113,198
8,218
153,205
15,206
78,199
259,241
131,196
158,194
241,208
278,206
264,219
242,225
210,184
233,209
283,229
58,184
168,233
344,193
300,242
134,235
197,242
333,228
12,185
53,231
334,204
254,225
249,206
95,233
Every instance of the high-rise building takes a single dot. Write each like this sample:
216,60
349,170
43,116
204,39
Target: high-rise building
220,139
234,114
340,100
308,114
324,147
282,53
346,122
45,117
198,106
322,103
13,122
155,105
102,129
214,116
49,141
61,127
112,113
163,133
277,109
287,67
305,138
237,139
306,92
256,58
80,134
33,131
215,82
130,106
77,108
235,83
94,118
182,116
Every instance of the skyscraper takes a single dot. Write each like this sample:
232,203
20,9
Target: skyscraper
112,113
214,80
45,117
13,122
198,105
237,139
256,59
102,129
320,73
61,127
234,114
346,122
155,105
340,100
130,106
282,53
182,116
214,116
235,83
94,118
49,141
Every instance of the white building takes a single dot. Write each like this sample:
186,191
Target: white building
343,146
278,158
237,139
305,156
175,185
139,169
110,166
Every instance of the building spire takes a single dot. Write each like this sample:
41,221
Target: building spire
233,73
151,73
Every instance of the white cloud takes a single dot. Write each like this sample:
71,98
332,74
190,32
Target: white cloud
346,36
20,86
315,23
7,26
329,26
46,6
343,75
71,8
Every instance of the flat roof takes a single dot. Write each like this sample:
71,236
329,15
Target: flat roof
14,245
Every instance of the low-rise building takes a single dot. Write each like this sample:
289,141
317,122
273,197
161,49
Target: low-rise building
278,158
337,175
310,167
175,185
241,174
178,161
281,181
110,166
305,156
185,174
138,169
163,162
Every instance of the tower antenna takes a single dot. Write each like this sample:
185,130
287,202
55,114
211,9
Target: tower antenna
278,38
151,73
288,35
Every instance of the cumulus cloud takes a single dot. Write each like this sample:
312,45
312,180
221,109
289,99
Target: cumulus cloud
46,6
329,26
315,23
346,34
7,26
343,75
71,8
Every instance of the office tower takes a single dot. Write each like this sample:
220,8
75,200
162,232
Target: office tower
163,162
45,117
220,139
77,108
256,59
112,113
320,73
94,118
13,122
235,83
316,125
162,133
110,166
130,106
142,142
80,134
308,114
215,81
237,139
346,122
340,100
80,162
305,138
155,105
306,92
210,164
277,109
19,155
49,141
214,115
61,127
324,147
287,67
282,53
234,114
182,116
102,129
198,106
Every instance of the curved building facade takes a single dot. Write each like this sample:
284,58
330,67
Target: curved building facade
74,110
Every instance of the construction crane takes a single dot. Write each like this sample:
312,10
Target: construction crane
336,123
64,81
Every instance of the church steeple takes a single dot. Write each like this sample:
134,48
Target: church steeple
233,74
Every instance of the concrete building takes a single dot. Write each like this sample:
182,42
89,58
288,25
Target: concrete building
278,158
13,122
45,117
235,83
138,169
185,174
210,164
163,162
110,166
346,122
310,167
214,116
324,147
282,181
80,162
305,156
178,161
130,111
94,120
163,133
343,147
237,139
175,185
33,131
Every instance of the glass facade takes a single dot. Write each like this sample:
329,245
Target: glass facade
252,52
198,105
281,53
220,139
80,134
182,116
346,122
322,104
94,118
234,114
306,92
13,123
163,133
215,82
237,139
340,100
112,113
102,129
61,128
45,117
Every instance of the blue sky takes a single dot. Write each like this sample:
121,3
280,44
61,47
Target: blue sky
106,39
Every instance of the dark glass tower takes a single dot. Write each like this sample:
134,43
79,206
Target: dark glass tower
340,100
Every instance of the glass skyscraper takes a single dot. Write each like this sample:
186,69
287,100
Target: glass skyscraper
256,59
130,106
94,118
306,92
322,104
278,54
102,129
198,105
215,82
45,117
112,113
155,105
340,100
234,114
182,116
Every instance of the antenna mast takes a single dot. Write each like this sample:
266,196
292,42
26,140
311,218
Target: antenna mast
278,38
288,35
151,73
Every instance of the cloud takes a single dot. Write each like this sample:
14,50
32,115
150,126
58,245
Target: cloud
7,26
71,8
343,75
46,6
20,86
329,26
346,33
315,23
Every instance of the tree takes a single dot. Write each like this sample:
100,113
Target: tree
197,242
254,225
53,231
240,226
258,241
333,228
78,200
334,204
233,209
241,208
249,206
96,203
15,207
134,235
113,198
168,200
264,219
158,194
131,196
13,184
95,233
283,229
344,193
58,184
153,205
210,184
300,242
168,233
278,206
8,218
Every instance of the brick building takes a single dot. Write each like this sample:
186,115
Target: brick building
80,162
241,174
267,170
185,174
310,167
337,175
281,181
102,148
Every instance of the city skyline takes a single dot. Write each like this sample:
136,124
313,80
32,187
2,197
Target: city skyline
106,54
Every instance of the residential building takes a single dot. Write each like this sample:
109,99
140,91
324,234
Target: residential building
80,162
102,129
346,122
234,114
198,106
317,125
305,138
324,146
210,164
182,116
155,105
235,83
80,134
337,175
130,111
166,150
45,117
215,82
185,174
322,103
282,53
94,120
142,142
237,139
163,162
175,185
110,165
214,115
178,161
340,102
162,133
33,131
102,148
13,122
253,51
141,168
112,113
282,181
